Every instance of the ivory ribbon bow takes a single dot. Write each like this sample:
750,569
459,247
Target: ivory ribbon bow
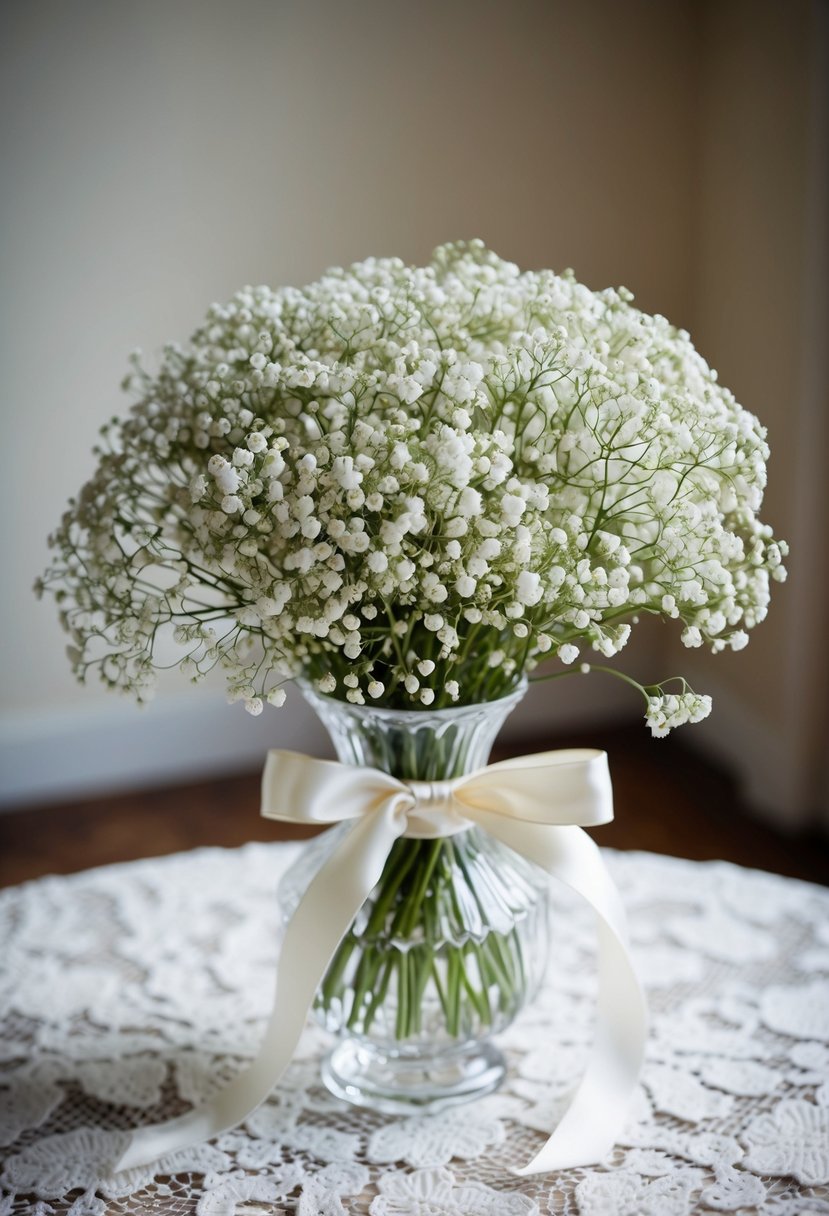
537,805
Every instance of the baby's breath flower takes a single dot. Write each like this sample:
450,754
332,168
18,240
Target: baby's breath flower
665,711
419,499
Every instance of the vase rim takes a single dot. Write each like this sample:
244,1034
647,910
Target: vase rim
453,711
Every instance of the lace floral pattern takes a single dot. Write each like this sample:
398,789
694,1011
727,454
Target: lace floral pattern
130,992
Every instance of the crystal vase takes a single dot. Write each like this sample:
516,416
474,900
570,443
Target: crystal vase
450,944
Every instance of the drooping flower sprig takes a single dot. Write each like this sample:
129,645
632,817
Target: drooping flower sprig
411,485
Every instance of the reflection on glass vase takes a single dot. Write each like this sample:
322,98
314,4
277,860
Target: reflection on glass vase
452,941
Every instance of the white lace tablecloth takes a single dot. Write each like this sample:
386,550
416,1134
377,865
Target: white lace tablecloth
132,991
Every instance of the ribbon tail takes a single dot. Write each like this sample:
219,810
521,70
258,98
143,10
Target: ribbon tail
319,924
596,1115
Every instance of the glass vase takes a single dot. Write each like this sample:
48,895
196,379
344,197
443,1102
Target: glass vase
452,941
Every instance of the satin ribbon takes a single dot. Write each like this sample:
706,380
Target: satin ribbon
536,805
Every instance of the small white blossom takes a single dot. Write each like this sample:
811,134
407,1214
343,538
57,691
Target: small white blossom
227,479
528,588
198,487
512,508
345,474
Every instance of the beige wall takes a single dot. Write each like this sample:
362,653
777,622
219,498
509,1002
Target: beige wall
759,308
159,155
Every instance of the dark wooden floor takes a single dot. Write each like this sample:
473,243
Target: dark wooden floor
667,801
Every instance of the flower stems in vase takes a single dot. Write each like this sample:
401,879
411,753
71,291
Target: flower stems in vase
446,946
403,946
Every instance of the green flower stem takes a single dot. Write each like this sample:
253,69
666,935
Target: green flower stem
422,960
366,969
414,905
400,861
402,1024
453,988
380,992
477,998
434,970
334,974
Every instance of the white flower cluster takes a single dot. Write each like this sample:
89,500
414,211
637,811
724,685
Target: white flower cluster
411,484
673,709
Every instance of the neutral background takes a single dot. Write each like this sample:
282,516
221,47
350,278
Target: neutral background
159,156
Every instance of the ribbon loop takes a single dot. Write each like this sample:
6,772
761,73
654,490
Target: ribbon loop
536,805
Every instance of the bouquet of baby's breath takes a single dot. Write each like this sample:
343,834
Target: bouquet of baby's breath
410,485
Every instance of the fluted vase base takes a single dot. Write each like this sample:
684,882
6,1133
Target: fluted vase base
396,1083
